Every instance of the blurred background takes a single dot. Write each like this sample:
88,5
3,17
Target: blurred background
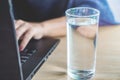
115,6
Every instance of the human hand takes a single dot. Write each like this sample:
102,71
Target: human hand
88,32
26,30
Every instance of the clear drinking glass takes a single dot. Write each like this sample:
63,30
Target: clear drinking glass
82,33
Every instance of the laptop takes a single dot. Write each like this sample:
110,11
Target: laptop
16,65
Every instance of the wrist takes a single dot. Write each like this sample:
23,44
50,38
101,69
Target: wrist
43,29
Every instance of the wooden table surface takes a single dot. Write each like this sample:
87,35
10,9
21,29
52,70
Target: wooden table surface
108,58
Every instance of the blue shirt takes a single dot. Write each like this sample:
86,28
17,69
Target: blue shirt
40,10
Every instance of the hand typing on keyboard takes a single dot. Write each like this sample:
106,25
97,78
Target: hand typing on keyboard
26,30
49,28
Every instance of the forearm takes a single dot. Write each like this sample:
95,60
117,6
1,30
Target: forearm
55,27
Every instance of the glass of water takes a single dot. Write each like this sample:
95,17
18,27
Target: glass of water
82,34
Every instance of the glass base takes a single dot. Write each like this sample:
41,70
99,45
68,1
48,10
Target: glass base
81,74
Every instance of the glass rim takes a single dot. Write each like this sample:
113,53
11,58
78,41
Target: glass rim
96,10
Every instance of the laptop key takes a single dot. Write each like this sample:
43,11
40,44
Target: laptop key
29,54
25,50
23,61
24,57
32,51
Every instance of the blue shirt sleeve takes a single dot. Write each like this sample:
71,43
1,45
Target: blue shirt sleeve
106,15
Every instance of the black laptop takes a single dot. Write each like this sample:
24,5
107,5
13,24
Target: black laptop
15,65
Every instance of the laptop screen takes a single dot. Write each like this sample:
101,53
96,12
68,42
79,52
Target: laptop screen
8,48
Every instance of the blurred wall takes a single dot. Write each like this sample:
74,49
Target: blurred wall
115,6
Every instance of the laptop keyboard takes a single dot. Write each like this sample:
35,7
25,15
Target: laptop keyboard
26,54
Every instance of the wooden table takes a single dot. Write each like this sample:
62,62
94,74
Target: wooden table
108,58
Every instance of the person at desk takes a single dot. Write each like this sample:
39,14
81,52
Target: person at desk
40,18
